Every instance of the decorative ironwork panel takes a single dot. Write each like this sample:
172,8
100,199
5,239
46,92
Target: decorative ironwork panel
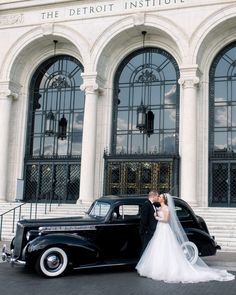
232,197
73,184
125,177
45,181
114,176
165,175
31,183
223,184
60,182
146,173
54,182
220,183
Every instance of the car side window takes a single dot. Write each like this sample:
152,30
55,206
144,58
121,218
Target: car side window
99,209
182,212
126,212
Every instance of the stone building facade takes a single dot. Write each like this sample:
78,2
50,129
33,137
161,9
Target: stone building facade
77,76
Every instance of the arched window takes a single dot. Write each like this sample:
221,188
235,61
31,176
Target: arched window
222,127
56,95
148,78
223,101
55,127
144,152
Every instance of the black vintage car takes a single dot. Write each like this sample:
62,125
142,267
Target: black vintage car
107,236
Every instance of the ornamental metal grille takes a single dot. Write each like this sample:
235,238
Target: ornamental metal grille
52,182
222,128
224,183
129,177
55,127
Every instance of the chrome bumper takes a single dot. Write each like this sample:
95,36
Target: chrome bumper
218,247
9,257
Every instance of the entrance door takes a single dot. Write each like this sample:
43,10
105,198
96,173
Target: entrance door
125,177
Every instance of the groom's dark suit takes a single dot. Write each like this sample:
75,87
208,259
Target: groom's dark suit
148,223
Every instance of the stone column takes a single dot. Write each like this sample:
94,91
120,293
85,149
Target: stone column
87,174
6,97
188,135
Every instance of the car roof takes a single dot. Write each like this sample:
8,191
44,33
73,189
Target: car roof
123,199
130,199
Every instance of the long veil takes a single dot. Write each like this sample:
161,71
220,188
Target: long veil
164,260
189,249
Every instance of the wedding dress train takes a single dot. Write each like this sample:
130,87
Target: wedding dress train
164,259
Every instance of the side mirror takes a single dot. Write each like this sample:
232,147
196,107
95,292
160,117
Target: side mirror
114,215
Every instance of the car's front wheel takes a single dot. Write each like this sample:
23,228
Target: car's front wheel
52,262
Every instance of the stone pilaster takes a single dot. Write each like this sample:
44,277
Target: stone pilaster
188,134
6,97
87,174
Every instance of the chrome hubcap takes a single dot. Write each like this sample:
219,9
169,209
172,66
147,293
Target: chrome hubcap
53,261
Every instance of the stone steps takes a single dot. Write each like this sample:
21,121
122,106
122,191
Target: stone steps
221,223
63,210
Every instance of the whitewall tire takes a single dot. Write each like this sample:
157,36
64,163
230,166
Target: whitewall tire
52,262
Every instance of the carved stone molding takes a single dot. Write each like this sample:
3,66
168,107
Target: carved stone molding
189,76
8,95
139,19
91,83
47,29
89,87
9,90
14,95
12,19
189,82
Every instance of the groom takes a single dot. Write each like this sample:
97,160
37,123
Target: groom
148,222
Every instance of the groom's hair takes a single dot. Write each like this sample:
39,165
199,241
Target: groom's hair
153,192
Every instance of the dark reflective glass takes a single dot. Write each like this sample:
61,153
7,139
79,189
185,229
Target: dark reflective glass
55,87
55,96
149,76
223,99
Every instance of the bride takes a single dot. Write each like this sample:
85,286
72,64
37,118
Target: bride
164,258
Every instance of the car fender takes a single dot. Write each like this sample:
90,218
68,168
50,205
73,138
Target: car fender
202,240
64,240
202,223
191,232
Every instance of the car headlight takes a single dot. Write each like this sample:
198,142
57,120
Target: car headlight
32,234
28,236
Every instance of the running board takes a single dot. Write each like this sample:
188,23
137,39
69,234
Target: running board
107,264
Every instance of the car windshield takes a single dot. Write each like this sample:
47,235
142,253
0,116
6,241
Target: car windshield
99,209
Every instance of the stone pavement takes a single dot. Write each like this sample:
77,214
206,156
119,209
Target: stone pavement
222,260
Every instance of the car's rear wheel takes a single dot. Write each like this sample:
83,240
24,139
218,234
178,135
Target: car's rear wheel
52,262
190,251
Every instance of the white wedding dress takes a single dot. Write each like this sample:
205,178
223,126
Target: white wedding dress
163,259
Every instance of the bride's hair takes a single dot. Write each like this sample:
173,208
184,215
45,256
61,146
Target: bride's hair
165,199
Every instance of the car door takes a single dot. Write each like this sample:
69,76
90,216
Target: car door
118,239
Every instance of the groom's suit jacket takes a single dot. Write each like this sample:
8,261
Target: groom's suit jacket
147,223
